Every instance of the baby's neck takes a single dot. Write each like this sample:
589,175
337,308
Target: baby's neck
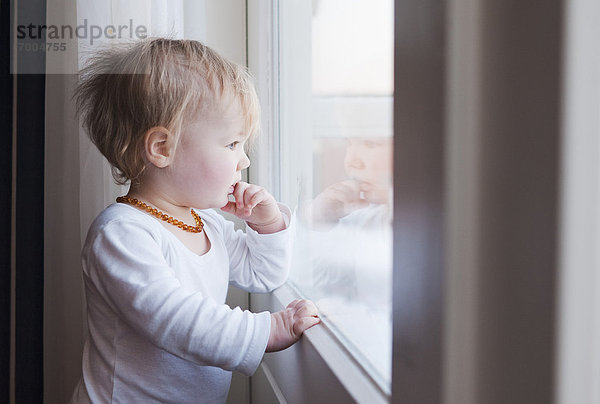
163,203
197,243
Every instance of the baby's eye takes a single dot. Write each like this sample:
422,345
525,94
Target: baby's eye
232,146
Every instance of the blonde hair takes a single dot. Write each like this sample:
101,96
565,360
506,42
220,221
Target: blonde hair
125,90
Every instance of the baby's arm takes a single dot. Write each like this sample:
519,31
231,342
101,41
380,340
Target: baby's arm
259,259
260,210
335,202
288,325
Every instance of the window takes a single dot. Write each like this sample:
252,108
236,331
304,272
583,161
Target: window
335,117
476,200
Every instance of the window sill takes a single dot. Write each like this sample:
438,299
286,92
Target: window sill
319,341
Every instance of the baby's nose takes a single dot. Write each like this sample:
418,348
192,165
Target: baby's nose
244,162
355,162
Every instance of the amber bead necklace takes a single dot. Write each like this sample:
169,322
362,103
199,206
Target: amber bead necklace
163,216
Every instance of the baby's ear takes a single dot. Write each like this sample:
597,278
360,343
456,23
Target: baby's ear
159,146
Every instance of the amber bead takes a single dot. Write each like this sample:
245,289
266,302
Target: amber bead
163,216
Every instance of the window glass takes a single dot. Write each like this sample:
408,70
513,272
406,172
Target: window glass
342,163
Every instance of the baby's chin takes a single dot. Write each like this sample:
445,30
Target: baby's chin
228,198
378,197
214,204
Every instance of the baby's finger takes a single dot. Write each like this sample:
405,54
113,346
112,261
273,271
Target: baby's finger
307,309
256,197
229,207
305,323
358,204
349,187
248,193
238,193
292,305
347,191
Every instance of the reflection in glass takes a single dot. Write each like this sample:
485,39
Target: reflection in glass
345,243
343,252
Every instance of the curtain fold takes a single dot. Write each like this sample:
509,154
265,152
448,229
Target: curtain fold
77,179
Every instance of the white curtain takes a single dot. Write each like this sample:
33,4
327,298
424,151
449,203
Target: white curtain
78,181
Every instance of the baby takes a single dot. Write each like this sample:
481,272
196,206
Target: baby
173,118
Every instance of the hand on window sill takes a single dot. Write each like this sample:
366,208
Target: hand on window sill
288,325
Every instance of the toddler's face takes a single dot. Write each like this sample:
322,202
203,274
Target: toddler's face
369,162
209,158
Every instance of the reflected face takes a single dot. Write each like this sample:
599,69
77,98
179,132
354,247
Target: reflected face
369,161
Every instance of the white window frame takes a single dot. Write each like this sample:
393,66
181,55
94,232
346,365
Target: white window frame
332,371
578,319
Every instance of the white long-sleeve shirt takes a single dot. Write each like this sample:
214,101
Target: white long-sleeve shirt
159,330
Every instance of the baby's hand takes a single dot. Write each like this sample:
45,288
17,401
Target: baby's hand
257,207
288,325
336,201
